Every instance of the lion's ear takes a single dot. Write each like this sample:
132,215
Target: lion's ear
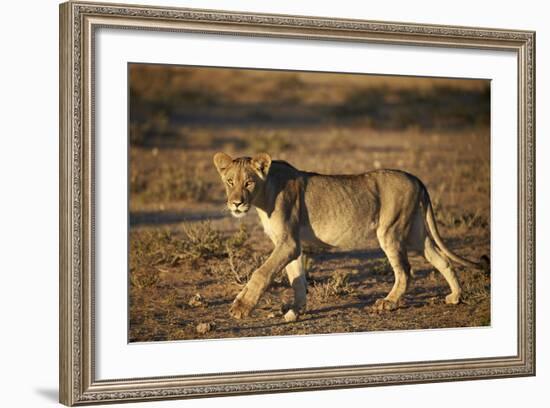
222,161
261,163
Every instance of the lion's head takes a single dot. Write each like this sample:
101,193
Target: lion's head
243,179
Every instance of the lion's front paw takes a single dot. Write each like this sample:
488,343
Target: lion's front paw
242,305
239,309
384,304
291,316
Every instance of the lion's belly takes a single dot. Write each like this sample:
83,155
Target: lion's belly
345,235
347,218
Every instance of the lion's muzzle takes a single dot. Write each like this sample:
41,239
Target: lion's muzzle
238,208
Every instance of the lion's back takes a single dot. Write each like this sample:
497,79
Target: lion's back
344,210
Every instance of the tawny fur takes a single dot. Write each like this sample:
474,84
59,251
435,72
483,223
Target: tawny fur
340,211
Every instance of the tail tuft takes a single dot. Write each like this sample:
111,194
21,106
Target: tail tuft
485,264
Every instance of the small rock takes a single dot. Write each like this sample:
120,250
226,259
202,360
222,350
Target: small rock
433,301
276,313
197,301
203,328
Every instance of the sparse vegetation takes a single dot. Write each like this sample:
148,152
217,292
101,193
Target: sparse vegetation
170,183
448,107
163,252
337,285
154,249
380,267
461,221
145,278
183,244
157,126
476,287
268,141
202,241
240,264
151,248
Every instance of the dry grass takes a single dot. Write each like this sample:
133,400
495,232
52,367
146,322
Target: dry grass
185,86
476,287
184,275
337,285
155,249
269,141
169,183
380,267
240,265
203,242
157,309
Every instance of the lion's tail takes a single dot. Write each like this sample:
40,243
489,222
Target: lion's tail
483,264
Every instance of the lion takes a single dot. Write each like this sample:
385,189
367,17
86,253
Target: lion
338,211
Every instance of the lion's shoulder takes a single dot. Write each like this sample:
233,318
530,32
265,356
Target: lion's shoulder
282,166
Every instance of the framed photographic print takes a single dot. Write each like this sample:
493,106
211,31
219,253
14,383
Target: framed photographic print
258,203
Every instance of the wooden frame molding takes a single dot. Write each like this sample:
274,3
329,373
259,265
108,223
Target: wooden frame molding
78,22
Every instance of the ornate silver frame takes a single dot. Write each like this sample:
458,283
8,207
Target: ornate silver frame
78,22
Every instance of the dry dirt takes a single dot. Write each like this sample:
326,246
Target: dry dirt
188,258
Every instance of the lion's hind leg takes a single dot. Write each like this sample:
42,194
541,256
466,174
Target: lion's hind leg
397,256
419,240
440,262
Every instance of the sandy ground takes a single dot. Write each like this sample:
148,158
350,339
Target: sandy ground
188,258
177,294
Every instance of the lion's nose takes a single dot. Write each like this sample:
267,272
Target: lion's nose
236,203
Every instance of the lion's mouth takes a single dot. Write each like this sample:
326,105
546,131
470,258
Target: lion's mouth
239,213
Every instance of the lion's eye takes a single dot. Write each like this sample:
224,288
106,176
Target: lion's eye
249,183
230,182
